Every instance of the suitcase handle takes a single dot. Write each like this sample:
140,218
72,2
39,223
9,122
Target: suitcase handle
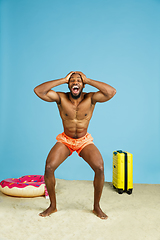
120,151
115,153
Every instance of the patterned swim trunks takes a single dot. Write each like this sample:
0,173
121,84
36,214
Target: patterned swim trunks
75,144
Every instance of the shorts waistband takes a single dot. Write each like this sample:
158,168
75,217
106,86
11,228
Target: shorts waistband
75,139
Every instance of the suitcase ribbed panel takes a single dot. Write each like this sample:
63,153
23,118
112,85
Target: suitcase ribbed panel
118,171
130,171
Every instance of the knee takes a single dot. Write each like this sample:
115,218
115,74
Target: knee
99,169
49,168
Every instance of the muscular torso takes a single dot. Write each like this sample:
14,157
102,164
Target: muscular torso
75,118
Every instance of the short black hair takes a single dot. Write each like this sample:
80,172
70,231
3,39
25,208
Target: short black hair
76,73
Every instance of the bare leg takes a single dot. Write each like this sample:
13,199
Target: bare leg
56,156
93,157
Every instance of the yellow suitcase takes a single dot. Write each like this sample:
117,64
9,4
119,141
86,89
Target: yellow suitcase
123,171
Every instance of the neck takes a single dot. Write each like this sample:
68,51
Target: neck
77,101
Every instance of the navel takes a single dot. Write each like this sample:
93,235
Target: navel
66,114
86,114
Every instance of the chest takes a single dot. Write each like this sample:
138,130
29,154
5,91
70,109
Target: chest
83,111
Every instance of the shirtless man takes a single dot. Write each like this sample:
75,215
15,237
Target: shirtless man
76,109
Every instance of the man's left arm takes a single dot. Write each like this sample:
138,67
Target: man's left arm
105,93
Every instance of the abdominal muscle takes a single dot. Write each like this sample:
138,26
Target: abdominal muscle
75,129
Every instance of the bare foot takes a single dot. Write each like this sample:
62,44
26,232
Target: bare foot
48,212
97,211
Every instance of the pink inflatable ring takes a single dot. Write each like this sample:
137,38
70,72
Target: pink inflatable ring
26,186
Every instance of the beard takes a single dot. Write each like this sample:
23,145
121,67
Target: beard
76,97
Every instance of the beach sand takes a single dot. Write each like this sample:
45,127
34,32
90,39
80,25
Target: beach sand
134,217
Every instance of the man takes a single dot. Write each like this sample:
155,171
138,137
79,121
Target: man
75,108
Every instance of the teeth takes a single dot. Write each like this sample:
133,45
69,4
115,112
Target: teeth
75,87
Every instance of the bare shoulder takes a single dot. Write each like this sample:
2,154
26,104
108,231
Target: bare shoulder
62,96
88,95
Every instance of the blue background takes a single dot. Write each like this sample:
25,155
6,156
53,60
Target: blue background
114,41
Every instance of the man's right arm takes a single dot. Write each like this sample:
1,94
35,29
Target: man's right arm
44,91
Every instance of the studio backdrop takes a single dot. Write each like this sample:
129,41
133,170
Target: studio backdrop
116,42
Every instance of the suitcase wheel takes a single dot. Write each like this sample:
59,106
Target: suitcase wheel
129,191
120,191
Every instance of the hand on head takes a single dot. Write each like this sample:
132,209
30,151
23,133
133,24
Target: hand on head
83,76
68,76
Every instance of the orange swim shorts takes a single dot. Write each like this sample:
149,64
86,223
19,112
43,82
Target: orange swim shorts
75,144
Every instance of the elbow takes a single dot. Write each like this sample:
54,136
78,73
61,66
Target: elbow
39,93
35,91
113,93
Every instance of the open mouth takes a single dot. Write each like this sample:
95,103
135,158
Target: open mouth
75,89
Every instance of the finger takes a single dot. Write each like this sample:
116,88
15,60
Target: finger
79,72
69,74
82,74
